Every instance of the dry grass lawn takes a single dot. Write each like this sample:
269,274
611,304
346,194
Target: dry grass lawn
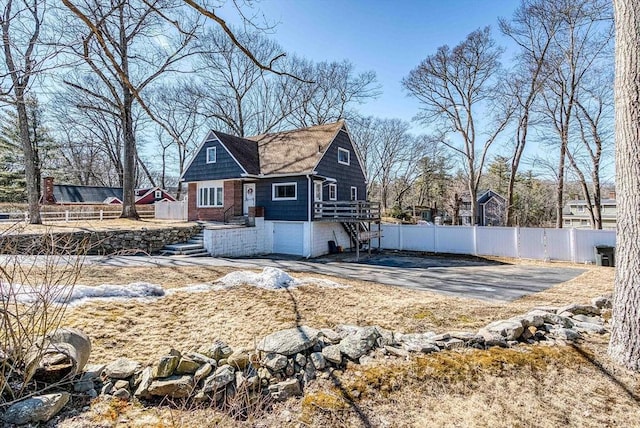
526,387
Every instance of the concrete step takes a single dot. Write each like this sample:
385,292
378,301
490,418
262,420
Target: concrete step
183,247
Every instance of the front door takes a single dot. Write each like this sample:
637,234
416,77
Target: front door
249,191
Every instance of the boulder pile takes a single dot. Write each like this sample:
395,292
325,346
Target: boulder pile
284,362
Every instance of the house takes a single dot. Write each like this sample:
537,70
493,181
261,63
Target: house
307,184
491,209
576,214
94,195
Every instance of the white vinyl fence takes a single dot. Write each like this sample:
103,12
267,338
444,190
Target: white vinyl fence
177,210
574,245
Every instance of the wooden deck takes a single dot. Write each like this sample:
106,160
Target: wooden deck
347,211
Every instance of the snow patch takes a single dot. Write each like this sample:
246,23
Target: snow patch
80,293
270,279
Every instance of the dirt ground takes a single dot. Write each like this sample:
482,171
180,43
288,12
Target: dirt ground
528,386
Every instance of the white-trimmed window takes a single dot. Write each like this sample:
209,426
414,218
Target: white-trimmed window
211,155
317,190
354,193
344,156
284,191
210,194
333,192
158,194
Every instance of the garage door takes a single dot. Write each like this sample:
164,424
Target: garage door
288,238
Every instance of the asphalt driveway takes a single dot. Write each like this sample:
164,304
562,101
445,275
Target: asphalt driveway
460,277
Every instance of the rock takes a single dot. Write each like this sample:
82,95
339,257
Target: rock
603,302
318,360
202,372
122,368
122,394
493,339
397,352
441,337
219,350
40,408
145,382
121,384
240,359
588,319
309,373
330,336
275,362
529,332
83,385
223,376
509,329
424,346
534,318
166,366
565,333
107,388
387,337
332,354
187,366
359,342
300,360
283,390
576,309
290,369
587,327
179,386
240,380
92,371
68,344
453,344
289,342
463,335
202,359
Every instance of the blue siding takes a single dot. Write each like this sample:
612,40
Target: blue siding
346,175
224,167
283,210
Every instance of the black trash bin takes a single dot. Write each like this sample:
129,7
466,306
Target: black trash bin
605,255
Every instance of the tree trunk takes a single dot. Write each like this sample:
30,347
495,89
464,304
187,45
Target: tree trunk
624,346
130,159
30,167
560,185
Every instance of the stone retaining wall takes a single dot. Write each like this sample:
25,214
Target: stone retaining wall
97,242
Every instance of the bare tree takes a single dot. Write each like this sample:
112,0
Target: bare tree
177,108
327,92
583,37
128,46
23,58
592,115
452,85
624,346
533,29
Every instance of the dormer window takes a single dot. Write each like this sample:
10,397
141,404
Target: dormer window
211,155
344,156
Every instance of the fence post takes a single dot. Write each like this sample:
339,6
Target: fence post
572,244
26,216
66,216
516,231
400,236
101,215
475,240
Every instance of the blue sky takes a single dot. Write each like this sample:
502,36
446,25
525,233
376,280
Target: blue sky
388,37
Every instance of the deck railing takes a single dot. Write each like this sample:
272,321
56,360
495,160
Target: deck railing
346,211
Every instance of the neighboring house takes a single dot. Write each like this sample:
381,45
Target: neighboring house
304,182
576,214
72,194
491,209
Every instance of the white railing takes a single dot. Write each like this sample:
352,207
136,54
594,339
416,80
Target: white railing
70,215
176,210
574,245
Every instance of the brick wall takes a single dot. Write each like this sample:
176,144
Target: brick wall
232,197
